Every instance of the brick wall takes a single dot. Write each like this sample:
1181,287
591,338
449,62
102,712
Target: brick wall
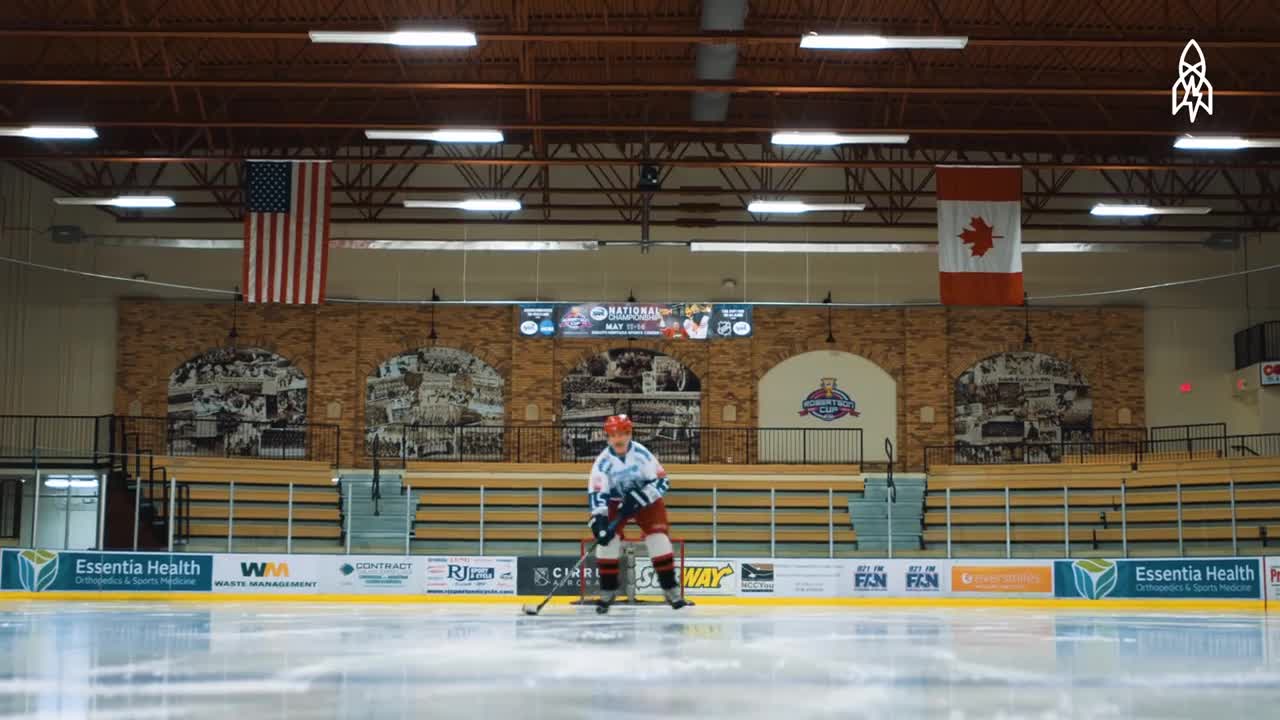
924,349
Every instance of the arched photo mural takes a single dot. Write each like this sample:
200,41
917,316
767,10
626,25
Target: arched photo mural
823,394
662,396
237,401
440,402
1013,398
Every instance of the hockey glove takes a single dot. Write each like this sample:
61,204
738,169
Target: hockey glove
637,500
600,529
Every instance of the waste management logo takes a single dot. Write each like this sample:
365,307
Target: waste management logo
1096,579
256,573
37,569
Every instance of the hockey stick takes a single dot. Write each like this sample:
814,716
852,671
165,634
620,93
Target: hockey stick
534,610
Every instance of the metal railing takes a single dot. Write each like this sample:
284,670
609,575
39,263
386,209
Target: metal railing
577,443
1173,442
82,438
232,437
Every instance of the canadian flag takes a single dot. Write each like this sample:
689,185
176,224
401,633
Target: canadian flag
980,235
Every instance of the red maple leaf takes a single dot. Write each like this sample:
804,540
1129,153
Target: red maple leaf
978,237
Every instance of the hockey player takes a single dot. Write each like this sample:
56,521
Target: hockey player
627,481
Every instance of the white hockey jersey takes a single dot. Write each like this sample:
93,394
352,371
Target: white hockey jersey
612,476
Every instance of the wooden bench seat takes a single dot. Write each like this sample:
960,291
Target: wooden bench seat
265,530
1086,517
691,534
938,500
677,517
674,500
1111,534
267,512
301,496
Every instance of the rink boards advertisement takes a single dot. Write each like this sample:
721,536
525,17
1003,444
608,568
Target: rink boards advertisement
757,579
1273,580
465,575
41,570
1168,578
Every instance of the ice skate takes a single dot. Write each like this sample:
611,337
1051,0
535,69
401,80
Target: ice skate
674,598
607,598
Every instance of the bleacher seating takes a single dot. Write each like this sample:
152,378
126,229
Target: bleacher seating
261,498
1036,515
449,508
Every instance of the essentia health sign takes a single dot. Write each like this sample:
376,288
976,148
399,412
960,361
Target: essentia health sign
1269,373
828,402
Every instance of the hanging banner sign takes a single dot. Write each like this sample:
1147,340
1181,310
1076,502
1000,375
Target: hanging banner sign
693,321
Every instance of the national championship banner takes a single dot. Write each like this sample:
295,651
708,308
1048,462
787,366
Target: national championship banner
1097,578
693,321
41,570
980,235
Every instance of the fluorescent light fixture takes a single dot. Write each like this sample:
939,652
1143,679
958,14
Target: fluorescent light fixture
814,41
798,137
892,248
71,481
123,201
403,38
495,245
1106,210
471,205
1222,142
51,132
793,247
792,207
461,135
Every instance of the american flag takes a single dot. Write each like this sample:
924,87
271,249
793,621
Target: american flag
286,231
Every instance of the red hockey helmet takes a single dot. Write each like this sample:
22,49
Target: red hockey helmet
617,424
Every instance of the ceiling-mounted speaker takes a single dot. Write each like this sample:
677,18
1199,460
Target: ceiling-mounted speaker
649,179
66,234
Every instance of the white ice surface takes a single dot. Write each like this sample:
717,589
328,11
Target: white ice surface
246,661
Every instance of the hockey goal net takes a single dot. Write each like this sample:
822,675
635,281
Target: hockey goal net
638,583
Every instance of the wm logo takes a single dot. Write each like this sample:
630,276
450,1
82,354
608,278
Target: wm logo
264,569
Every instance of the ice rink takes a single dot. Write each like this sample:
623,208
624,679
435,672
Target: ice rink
248,661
